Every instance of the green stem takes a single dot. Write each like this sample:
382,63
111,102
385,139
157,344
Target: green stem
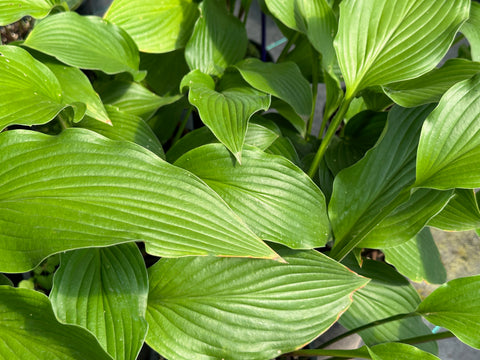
342,354
336,121
287,47
428,338
182,125
314,91
367,326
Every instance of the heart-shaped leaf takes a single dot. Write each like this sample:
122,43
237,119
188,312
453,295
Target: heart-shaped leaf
449,148
226,112
30,94
384,41
219,39
156,26
87,42
470,30
105,291
29,330
11,11
204,308
396,351
456,307
80,189
267,192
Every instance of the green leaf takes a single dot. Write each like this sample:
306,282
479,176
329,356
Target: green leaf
80,189
291,115
384,41
260,136
87,42
13,10
449,148
456,307
284,147
206,308
226,112
29,330
283,80
367,192
219,39
470,30
267,192
387,294
5,280
396,351
430,87
105,291
126,127
156,26
461,213
418,259
132,98
30,94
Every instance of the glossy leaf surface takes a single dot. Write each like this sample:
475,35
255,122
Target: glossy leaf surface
11,11
219,39
396,351
267,192
449,148
90,191
418,259
30,94
87,42
226,112
156,26
456,307
104,290
470,30
204,308
30,331
384,41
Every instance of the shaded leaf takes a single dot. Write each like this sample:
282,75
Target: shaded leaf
5,280
90,191
205,308
284,147
384,41
87,42
30,331
267,192
470,30
396,351
291,115
456,307
105,291
11,11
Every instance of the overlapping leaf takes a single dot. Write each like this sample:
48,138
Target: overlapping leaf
396,351
456,307
267,192
11,11
87,42
156,26
80,190
470,30
105,291
449,148
226,112
206,308
5,280
30,331
30,94
219,39
384,41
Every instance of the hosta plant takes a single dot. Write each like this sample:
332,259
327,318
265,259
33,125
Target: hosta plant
243,233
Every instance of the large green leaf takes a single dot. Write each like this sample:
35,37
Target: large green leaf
470,30
87,42
226,112
267,192
456,307
418,259
396,351
430,87
283,80
30,94
387,294
13,10
449,148
219,39
157,26
461,213
80,189
30,331
367,192
384,41
105,291
206,308
126,127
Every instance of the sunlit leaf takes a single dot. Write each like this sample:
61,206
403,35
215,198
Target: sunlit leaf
13,10
397,351
470,30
